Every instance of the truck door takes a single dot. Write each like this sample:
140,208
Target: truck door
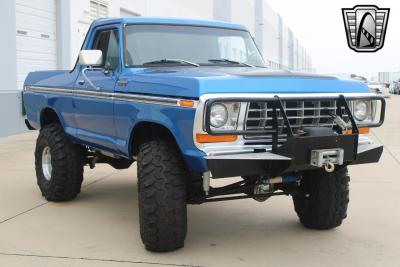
93,102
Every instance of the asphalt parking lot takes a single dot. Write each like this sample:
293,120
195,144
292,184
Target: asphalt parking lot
100,227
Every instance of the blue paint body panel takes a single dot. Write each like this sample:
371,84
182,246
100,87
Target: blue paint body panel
191,82
108,124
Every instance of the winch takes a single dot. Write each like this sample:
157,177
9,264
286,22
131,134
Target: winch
327,158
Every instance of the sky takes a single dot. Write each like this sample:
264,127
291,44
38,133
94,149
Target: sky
319,27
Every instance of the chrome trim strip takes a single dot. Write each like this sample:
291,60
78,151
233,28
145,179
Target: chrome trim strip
147,99
48,90
109,95
100,94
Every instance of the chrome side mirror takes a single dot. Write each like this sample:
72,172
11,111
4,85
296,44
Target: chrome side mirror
91,58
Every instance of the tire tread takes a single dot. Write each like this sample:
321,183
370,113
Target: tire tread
326,207
162,196
67,161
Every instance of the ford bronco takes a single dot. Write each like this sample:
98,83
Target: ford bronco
192,101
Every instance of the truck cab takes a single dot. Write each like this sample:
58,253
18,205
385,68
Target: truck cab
192,101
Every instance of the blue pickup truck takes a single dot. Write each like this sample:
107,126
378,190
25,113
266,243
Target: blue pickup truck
192,101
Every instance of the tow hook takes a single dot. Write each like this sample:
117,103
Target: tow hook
329,167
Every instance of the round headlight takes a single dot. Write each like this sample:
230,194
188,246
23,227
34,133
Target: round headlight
361,110
218,115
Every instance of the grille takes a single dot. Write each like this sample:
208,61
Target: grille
303,113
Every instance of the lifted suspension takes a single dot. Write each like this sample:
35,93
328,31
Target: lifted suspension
259,188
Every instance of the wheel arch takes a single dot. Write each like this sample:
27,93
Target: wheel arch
48,115
146,131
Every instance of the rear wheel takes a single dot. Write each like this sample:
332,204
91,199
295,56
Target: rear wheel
162,196
59,164
324,197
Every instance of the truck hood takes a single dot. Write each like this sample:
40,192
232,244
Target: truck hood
192,82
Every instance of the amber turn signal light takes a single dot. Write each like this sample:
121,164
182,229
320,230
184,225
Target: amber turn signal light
360,131
186,103
206,138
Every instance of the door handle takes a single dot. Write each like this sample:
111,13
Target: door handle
122,82
81,82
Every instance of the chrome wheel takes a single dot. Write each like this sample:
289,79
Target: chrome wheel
46,163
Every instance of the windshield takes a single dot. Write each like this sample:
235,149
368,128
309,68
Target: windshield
202,45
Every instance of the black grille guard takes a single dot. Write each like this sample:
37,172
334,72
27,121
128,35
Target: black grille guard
297,148
277,105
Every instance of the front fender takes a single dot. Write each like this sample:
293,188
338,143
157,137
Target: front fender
178,120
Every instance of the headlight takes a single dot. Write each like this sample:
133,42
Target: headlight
224,116
364,110
218,115
361,110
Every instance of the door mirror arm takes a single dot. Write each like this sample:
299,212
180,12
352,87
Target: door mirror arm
91,60
83,72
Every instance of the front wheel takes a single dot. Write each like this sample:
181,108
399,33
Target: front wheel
162,196
323,199
59,164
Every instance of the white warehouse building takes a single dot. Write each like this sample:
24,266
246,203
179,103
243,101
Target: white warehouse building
47,34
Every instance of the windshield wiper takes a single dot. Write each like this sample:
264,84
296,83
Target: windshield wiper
225,60
171,61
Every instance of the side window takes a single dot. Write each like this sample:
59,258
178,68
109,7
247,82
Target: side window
108,43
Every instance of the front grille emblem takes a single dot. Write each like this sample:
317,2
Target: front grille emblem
365,27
